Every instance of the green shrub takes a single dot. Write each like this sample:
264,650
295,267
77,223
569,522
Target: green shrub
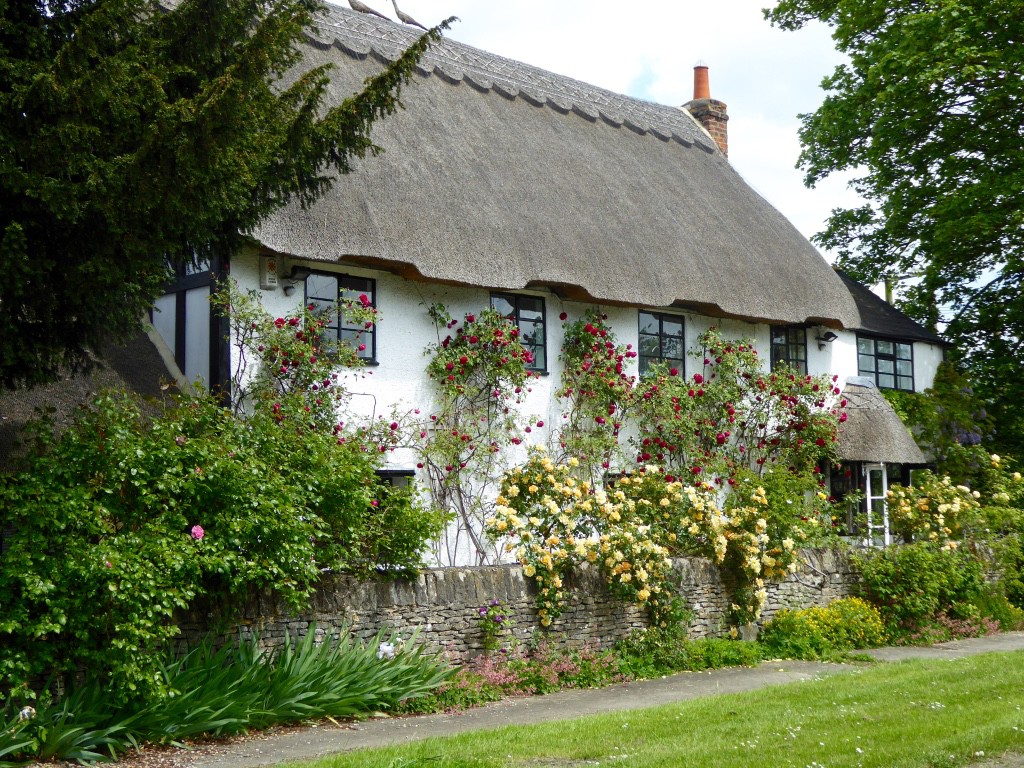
993,603
911,584
817,633
124,520
1008,549
657,651
715,653
653,652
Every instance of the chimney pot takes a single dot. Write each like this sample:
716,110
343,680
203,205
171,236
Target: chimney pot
701,88
710,113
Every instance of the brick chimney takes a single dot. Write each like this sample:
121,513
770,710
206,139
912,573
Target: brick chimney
710,113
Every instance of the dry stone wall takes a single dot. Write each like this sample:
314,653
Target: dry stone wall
443,605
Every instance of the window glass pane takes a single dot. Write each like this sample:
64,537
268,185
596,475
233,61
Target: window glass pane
904,351
884,347
886,380
530,314
531,333
866,363
319,304
324,287
351,338
904,368
884,365
503,305
905,382
358,285
649,346
540,362
671,348
197,269
531,303
876,483
778,335
648,323
799,336
671,328
865,346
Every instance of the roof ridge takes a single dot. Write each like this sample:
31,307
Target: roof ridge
360,34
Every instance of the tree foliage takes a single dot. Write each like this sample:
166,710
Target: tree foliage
927,113
136,135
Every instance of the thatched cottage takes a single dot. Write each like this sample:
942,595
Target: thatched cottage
505,185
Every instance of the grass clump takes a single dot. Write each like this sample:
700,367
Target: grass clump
663,651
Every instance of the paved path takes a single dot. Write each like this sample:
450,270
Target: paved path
313,742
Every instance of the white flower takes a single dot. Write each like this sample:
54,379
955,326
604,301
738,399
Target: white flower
386,651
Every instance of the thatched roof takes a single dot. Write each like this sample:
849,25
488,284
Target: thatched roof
502,175
873,431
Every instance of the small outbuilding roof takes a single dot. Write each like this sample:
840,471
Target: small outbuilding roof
503,175
873,431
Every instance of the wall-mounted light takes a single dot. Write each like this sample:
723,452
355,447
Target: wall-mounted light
294,277
826,338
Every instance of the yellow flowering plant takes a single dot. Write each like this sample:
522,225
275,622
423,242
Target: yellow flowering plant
933,509
541,512
554,521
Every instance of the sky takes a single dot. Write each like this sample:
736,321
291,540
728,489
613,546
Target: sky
648,48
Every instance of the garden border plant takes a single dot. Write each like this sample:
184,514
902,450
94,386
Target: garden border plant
124,520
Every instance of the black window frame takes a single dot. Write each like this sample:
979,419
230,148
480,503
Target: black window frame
645,361
876,372
348,286
783,354
516,300
187,277
397,478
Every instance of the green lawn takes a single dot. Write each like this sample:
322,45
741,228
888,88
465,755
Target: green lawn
921,713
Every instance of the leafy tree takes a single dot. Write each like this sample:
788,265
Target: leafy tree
927,113
134,135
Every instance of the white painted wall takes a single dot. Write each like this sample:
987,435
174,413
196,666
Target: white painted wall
404,331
